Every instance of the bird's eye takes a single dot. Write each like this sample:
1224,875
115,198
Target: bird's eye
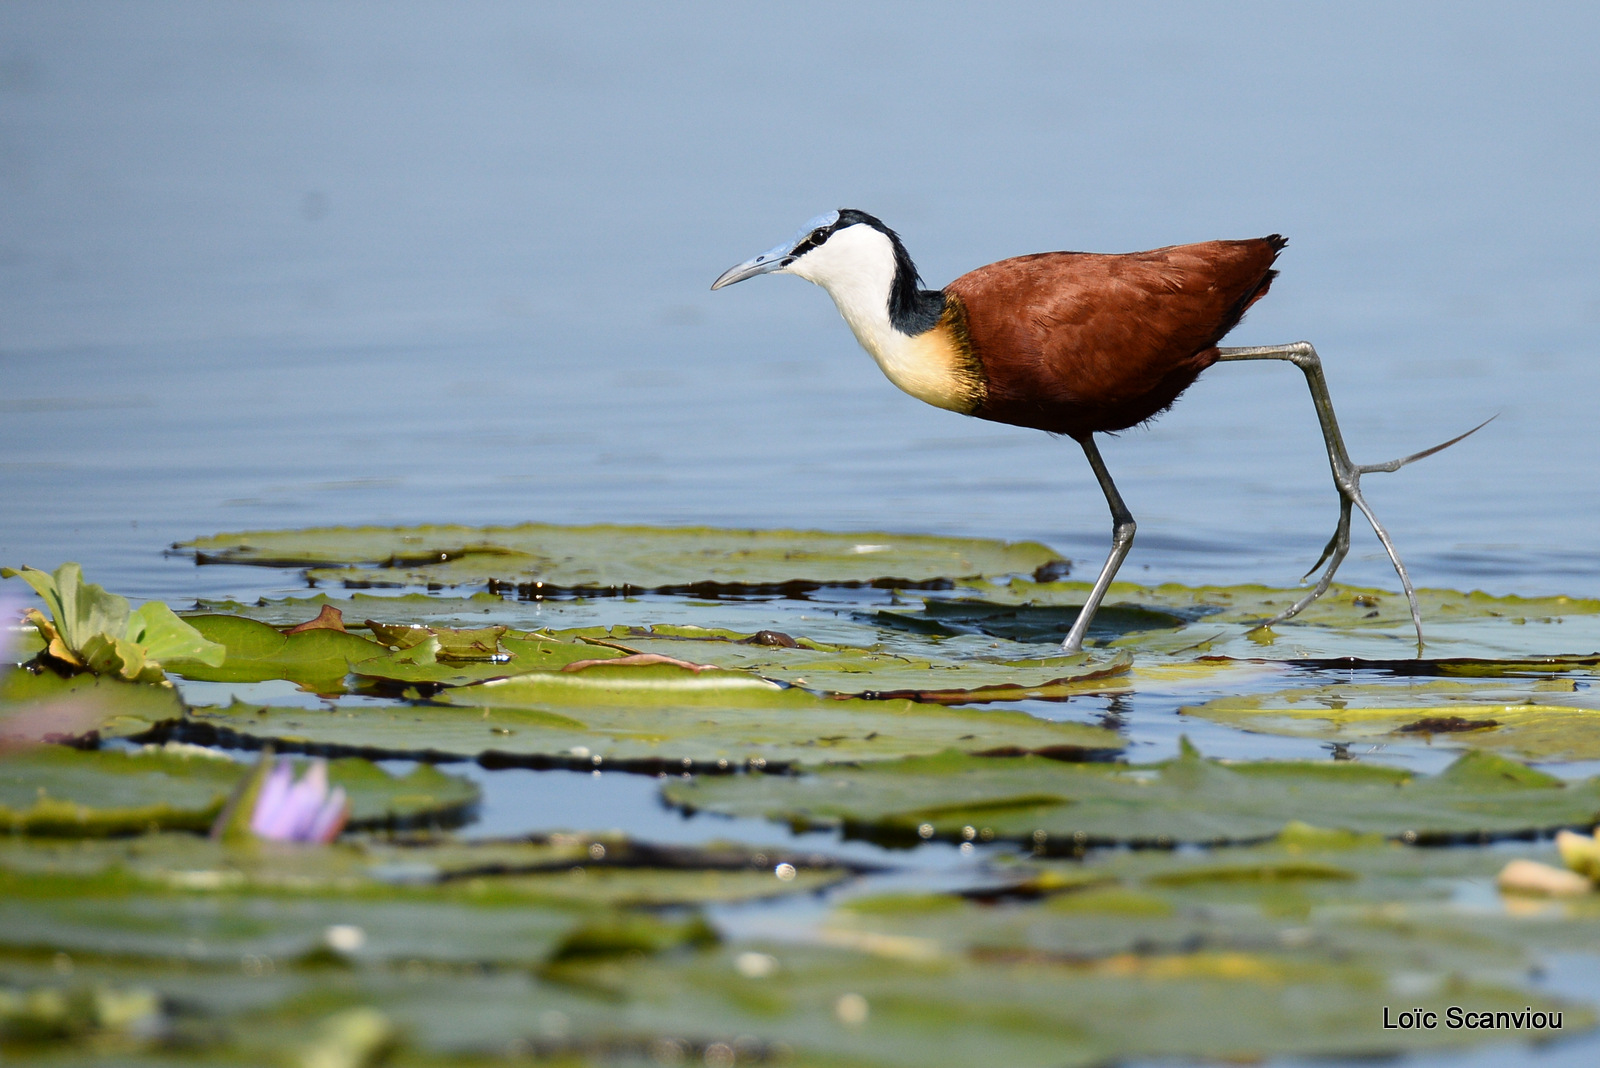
819,237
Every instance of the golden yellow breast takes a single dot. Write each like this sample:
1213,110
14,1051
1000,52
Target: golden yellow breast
936,366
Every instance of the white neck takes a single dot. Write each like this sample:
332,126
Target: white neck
856,266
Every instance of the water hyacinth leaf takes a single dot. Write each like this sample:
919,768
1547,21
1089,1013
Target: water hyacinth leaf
880,672
53,790
95,630
164,636
1190,799
1438,713
78,610
606,557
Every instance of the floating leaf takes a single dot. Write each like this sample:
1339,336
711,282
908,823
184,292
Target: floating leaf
318,659
54,790
1368,624
1068,806
1458,714
880,673
647,721
554,558
580,870
44,706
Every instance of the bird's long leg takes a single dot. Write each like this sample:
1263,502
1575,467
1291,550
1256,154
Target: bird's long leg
1122,530
1346,477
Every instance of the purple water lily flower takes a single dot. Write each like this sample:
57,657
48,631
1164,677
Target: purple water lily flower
304,811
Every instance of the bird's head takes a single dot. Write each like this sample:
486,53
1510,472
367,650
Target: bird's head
856,258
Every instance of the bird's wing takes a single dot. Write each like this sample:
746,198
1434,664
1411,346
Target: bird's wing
1072,332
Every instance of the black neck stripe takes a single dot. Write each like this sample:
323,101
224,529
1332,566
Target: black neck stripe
912,309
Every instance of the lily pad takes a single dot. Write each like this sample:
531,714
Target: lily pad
1347,621
548,559
582,870
37,706
879,672
890,1003
318,659
1476,715
54,790
472,966
646,718
1066,807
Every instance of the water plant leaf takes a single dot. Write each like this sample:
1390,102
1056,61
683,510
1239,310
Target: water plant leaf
549,559
886,1004
649,718
54,790
518,655
37,706
1191,799
1457,715
580,870
471,969
318,659
1347,621
92,629
876,672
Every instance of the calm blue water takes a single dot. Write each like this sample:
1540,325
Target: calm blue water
295,264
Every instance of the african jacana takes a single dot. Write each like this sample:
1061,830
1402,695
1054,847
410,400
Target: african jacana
1071,343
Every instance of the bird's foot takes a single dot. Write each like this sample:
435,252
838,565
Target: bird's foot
1347,478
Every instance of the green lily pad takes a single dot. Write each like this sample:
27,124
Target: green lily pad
252,952
520,655
318,659
321,659
548,559
430,609
53,790
42,706
580,870
1514,717
1346,622
879,672
1068,806
649,719
893,1005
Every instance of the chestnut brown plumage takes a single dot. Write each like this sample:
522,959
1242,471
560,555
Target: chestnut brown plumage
1071,343
1076,344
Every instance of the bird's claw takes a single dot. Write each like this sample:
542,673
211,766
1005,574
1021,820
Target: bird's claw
1347,479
